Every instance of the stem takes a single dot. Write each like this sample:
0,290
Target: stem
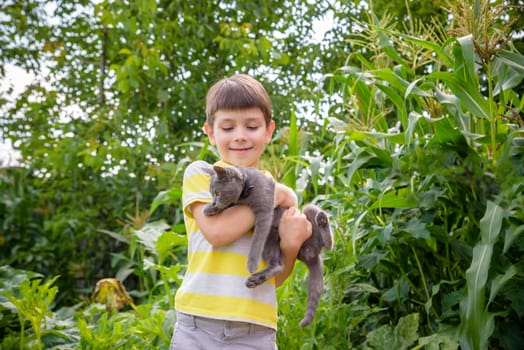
421,273
428,296
492,115
22,331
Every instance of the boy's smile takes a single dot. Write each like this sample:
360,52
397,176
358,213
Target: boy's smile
240,135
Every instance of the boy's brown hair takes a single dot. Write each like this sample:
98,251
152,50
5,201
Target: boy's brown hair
239,91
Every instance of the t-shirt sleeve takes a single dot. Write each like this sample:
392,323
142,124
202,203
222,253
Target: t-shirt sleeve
195,186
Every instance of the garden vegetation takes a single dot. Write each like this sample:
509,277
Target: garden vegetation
404,121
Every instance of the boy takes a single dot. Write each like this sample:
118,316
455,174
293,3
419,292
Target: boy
215,310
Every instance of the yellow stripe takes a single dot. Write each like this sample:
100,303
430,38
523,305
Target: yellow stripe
219,262
226,307
194,184
191,225
197,181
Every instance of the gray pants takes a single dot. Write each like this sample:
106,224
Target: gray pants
199,333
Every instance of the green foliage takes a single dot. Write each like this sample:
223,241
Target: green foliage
149,327
124,91
23,293
401,337
33,305
414,145
419,166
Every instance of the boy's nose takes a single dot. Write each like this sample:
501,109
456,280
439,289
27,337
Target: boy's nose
240,136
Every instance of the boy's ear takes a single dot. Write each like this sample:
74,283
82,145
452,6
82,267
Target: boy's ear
269,131
208,129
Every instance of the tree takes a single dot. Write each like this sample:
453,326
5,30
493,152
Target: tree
122,100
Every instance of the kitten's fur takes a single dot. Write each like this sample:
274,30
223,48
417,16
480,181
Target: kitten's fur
238,185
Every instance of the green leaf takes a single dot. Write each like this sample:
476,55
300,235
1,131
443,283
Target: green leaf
170,197
477,276
465,61
500,281
381,338
399,198
361,158
401,338
149,234
512,59
417,229
392,78
440,50
412,125
407,330
511,234
476,324
438,341
491,223
293,148
397,100
167,241
385,43
471,99
447,134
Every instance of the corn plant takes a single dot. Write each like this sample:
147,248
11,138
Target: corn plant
422,180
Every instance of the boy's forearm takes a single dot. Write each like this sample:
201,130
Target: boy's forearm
226,227
289,256
284,196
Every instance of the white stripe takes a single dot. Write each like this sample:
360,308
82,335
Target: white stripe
228,286
196,168
201,196
198,243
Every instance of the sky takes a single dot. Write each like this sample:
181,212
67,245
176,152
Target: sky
18,79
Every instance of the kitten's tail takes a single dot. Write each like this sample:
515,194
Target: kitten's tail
315,288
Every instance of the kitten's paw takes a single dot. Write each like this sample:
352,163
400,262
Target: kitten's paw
210,210
252,264
322,219
255,280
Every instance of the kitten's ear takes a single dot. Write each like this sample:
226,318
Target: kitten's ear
220,171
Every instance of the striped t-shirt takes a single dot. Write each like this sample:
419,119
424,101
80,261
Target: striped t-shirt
214,283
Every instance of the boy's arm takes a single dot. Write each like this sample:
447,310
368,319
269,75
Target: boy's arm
226,227
232,223
294,229
284,196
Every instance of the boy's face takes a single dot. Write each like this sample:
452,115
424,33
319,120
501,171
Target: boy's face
240,136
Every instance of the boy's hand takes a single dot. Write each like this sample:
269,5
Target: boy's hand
284,196
294,229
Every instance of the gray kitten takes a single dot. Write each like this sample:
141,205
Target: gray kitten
237,185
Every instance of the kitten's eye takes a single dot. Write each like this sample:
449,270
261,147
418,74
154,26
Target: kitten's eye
217,193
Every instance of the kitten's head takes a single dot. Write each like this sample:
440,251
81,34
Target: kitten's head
226,185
